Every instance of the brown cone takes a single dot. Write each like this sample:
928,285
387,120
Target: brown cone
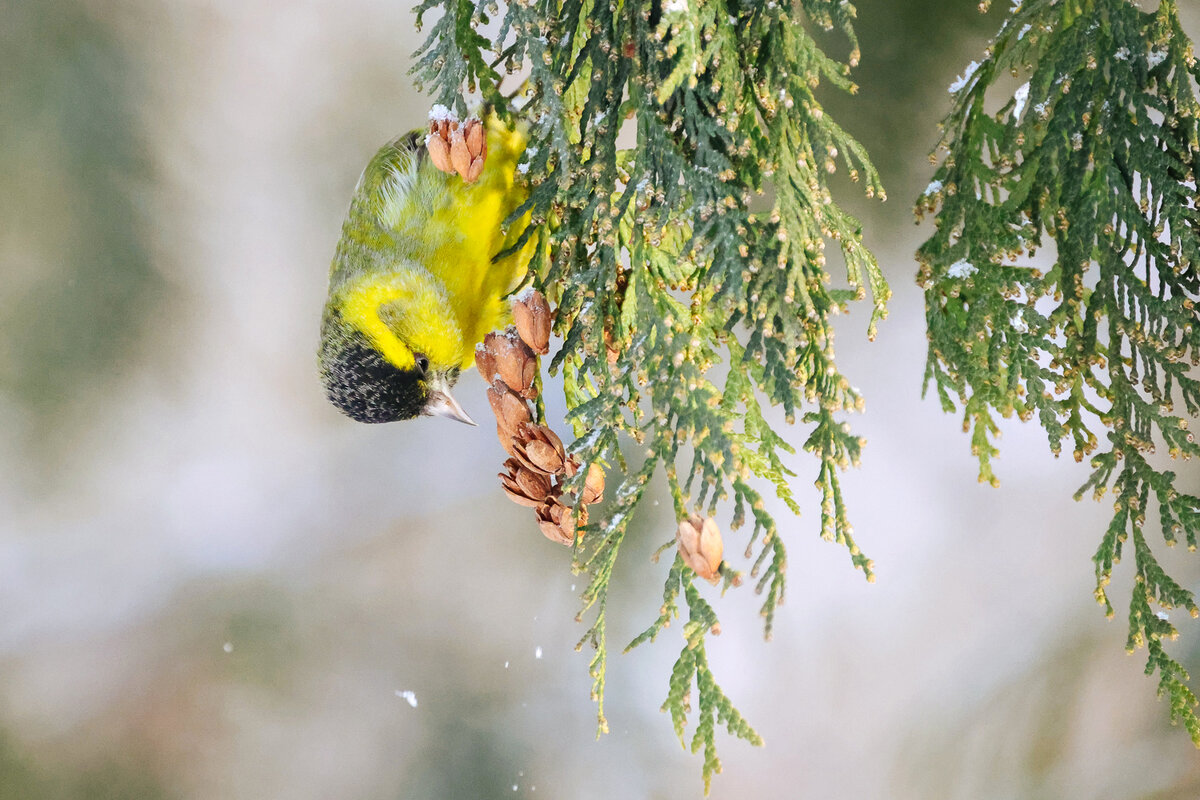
700,545
460,156
523,486
437,142
439,152
593,485
558,522
531,314
515,362
485,362
511,411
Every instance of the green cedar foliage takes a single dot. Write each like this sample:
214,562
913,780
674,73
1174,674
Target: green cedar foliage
678,167
1097,153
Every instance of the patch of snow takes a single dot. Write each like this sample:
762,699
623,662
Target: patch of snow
407,696
963,80
933,188
439,112
1020,96
1155,57
674,6
961,269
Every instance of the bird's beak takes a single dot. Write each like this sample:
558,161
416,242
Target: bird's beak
442,403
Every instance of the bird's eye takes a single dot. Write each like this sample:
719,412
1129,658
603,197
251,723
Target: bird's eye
422,363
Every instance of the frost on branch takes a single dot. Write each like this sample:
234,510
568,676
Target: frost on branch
1097,152
686,263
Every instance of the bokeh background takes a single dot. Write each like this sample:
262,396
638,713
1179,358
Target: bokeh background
213,586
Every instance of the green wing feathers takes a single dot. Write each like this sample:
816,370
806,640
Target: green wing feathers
407,214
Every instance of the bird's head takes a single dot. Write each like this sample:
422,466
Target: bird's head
370,383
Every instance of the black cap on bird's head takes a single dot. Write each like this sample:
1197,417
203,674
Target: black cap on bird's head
368,388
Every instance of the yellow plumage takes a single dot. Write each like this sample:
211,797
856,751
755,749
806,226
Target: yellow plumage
413,286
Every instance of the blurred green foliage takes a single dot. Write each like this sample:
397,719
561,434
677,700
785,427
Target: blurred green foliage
76,171
23,778
910,51
1104,340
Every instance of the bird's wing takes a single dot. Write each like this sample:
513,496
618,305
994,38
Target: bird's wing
407,211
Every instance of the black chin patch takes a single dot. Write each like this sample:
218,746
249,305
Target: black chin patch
363,385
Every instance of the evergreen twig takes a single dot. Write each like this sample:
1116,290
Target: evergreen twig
1098,153
677,165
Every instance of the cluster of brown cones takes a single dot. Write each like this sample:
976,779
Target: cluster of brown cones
538,465
456,148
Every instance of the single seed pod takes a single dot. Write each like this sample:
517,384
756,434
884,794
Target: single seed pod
571,465
534,486
485,362
524,487
558,522
505,440
439,151
540,456
437,142
518,445
475,137
444,127
531,313
474,171
515,494
515,362
700,546
529,378
541,433
611,353
460,156
511,411
552,531
593,485
545,514
543,447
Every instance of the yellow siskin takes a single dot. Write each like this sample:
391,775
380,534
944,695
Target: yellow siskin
413,286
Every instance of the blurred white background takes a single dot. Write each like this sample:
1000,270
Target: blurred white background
214,586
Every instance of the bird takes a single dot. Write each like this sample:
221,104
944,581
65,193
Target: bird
415,283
